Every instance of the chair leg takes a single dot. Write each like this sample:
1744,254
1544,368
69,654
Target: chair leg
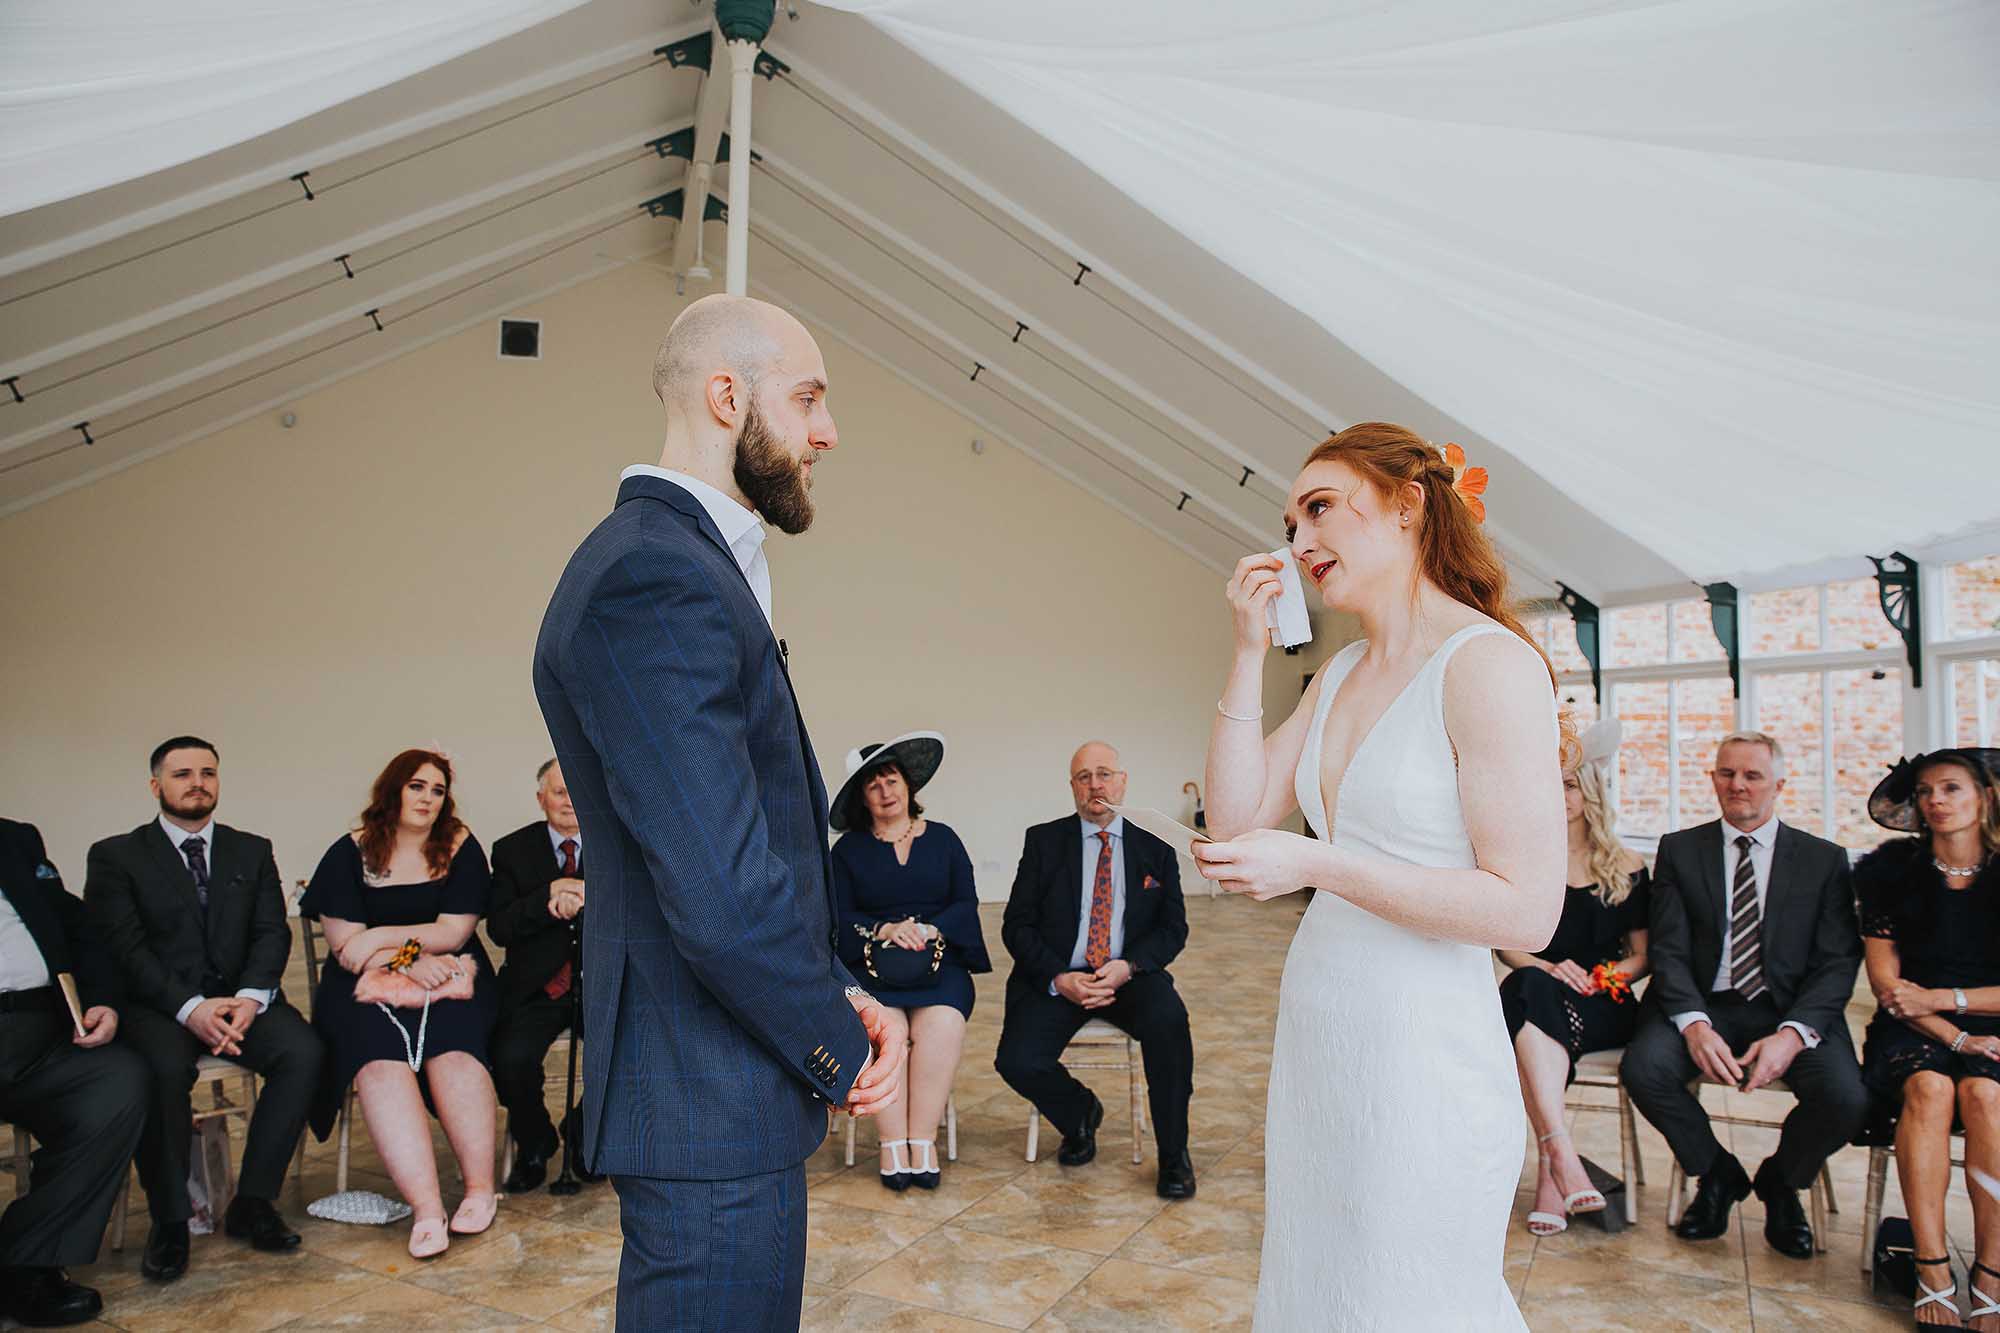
120,1211
1676,1186
1034,1130
341,1154
951,1128
1871,1206
1132,1066
850,1140
1628,1158
1632,1128
1826,1182
1817,1200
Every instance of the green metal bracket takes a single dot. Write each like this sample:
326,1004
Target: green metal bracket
1725,614
698,51
1902,606
680,144
669,205
1584,612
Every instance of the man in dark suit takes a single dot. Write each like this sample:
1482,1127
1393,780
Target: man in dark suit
194,913
537,894
722,1025
1093,920
83,1100
1754,950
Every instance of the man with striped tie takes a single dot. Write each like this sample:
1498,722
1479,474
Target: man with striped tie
1754,948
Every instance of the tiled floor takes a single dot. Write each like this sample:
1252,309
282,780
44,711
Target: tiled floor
1007,1244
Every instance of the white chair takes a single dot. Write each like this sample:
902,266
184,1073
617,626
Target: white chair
1820,1198
1107,1048
950,1131
1599,1069
1878,1176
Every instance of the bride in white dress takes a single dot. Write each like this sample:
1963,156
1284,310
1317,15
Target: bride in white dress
1426,758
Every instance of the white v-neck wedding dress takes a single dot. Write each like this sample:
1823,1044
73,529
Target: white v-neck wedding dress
1394,1132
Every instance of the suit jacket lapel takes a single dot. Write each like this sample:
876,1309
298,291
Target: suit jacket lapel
173,864
1072,885
1134,874
1777,894
1710,844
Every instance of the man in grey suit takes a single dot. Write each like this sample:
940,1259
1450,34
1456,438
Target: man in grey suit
723,1027
1754,948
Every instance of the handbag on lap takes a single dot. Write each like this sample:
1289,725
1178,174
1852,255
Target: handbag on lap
899,968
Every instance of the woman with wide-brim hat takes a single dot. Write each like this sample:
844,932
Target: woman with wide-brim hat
909,931
1930,921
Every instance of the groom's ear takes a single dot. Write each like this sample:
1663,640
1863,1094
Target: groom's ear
726,396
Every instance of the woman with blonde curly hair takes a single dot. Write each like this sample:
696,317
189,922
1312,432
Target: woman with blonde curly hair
1574,996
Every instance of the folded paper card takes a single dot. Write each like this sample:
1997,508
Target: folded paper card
1164,827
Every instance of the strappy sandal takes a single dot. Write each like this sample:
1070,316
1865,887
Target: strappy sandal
429,1239
1589,1199
927,1176
897,1177
1985,1304
474,1215
1933,1296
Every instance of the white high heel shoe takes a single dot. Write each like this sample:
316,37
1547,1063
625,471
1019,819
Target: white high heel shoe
1588,1200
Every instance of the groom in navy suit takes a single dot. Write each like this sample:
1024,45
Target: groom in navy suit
723,1027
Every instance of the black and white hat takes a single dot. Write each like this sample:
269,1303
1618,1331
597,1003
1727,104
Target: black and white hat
919,754
1893,804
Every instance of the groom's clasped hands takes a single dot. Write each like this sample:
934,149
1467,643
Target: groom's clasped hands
881,1076
1262,864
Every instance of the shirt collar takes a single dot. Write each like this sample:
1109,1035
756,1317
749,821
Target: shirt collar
178,835
742,531
1764,835
556,839
1116,828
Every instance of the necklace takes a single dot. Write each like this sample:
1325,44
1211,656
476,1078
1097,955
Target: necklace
909,831
1958,872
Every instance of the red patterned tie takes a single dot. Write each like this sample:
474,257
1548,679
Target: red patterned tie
1097,943
557,986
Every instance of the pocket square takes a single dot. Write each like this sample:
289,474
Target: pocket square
46,871
1149,883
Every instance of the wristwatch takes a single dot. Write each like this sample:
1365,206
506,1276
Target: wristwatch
856,993
1958,998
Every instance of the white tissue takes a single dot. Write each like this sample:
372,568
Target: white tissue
1286,614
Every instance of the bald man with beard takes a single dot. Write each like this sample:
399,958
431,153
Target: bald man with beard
723,1027
1093,920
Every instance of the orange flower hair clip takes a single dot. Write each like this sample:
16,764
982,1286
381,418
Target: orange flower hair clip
1469,482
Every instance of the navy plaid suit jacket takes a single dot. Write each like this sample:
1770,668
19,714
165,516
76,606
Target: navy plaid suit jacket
718,1028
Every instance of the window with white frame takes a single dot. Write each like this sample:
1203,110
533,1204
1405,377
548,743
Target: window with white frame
1965,653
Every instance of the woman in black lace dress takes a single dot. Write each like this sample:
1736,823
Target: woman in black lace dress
1930,915
1555,1008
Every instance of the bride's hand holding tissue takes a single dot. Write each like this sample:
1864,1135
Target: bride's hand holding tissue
1265,863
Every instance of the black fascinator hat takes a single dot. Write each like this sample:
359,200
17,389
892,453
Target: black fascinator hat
1893,803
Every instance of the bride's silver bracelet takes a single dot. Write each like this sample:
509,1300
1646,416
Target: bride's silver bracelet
1238,717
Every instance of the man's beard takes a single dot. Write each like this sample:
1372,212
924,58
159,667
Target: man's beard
770,478
194,808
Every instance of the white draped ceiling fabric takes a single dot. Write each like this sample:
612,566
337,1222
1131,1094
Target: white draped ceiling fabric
1727,271
95,92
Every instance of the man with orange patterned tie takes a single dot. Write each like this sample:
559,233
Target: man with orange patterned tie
1093,920
537,894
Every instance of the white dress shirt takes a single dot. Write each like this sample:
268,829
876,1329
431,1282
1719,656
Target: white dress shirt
741,529
556,841
1091,850
178,835
1763,841
22,966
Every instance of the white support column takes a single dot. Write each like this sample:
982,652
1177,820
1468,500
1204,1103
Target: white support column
742,61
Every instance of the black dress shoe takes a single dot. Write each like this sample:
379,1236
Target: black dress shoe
583,1173
1081,1146
530,1170
1177,1177
1725,1186
1785,1224
46,1298
166,1256
256,1221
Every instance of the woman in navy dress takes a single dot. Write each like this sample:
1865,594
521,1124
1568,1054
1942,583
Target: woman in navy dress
904,888
411,871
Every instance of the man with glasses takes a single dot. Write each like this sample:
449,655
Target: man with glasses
1093,920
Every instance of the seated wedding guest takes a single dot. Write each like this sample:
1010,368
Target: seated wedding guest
1930,917
1093,920
537,895
1565,1001
1754,949
194,913
909,932
399,899
83,1100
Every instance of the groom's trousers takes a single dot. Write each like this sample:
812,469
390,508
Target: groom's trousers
1826,1080
712,1256
1037,1026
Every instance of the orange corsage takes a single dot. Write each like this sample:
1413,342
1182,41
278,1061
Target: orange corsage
1469,482
407,954
1610,981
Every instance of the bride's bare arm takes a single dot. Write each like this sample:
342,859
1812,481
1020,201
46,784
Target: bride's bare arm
1498,713
1250,774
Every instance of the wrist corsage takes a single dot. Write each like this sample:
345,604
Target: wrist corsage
409,953
1612,982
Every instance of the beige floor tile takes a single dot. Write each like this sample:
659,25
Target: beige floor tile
534,1269
1795,1312
231,1287
843,1242
1602,1302
1126,1297
1090,1209
965,1273
854,1312
1585,1248
407,1309
596,1315
1201,1237
963,1185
